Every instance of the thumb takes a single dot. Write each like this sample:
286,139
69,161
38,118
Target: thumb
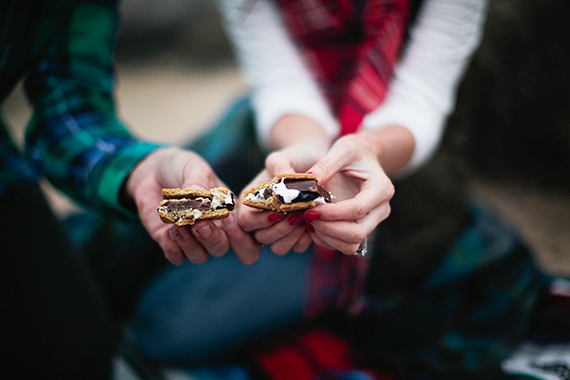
196,182
332,163
198,174
277,162
283,168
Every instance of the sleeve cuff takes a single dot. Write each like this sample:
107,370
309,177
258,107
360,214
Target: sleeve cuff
117,169
422,119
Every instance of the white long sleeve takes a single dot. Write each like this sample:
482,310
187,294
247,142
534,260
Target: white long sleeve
280,81
420,96
422,92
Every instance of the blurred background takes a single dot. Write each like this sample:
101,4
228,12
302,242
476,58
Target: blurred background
176,74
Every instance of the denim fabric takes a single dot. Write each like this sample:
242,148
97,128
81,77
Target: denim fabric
190,312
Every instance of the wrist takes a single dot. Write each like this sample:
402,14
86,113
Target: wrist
393,146
145,167
299,131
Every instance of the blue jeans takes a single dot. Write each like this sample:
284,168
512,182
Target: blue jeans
193,311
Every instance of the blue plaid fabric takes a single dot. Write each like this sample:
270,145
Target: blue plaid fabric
471,312
64,50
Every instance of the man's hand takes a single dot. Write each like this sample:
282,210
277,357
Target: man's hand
177,168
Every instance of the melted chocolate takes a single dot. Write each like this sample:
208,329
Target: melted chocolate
202,204
268,192
309,190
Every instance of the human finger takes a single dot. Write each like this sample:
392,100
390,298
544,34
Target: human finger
341,154
252,219
172,251
373,193
277,162
214,240
244,246
318,241
346,247
352,231
193,250
187,169
278,230
286,243
304,241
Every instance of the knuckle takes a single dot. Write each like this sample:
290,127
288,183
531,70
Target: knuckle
322,166
360,210
358,237
273,159
387,211
245,226
390,190
260,239
348,250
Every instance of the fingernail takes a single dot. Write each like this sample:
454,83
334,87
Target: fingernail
275,217
311,173
294,220
204,231
312,215
310,227
195,186
172,234
197,259
230,221
184,232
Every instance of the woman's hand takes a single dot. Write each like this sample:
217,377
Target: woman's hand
284,232
351,171
300,143
173,168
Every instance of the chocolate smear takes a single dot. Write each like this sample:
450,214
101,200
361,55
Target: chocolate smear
176,205
306,186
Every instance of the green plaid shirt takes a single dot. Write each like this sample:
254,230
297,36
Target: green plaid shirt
64,50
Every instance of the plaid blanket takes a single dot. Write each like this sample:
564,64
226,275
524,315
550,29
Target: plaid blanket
315,352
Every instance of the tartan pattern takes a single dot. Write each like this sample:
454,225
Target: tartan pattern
468,315
337,282
351,47
14,168
471,313
74,136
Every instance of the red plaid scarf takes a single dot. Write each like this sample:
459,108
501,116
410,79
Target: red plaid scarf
351,46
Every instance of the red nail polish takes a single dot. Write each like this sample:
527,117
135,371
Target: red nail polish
310,227
294,220
275,217
312,215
